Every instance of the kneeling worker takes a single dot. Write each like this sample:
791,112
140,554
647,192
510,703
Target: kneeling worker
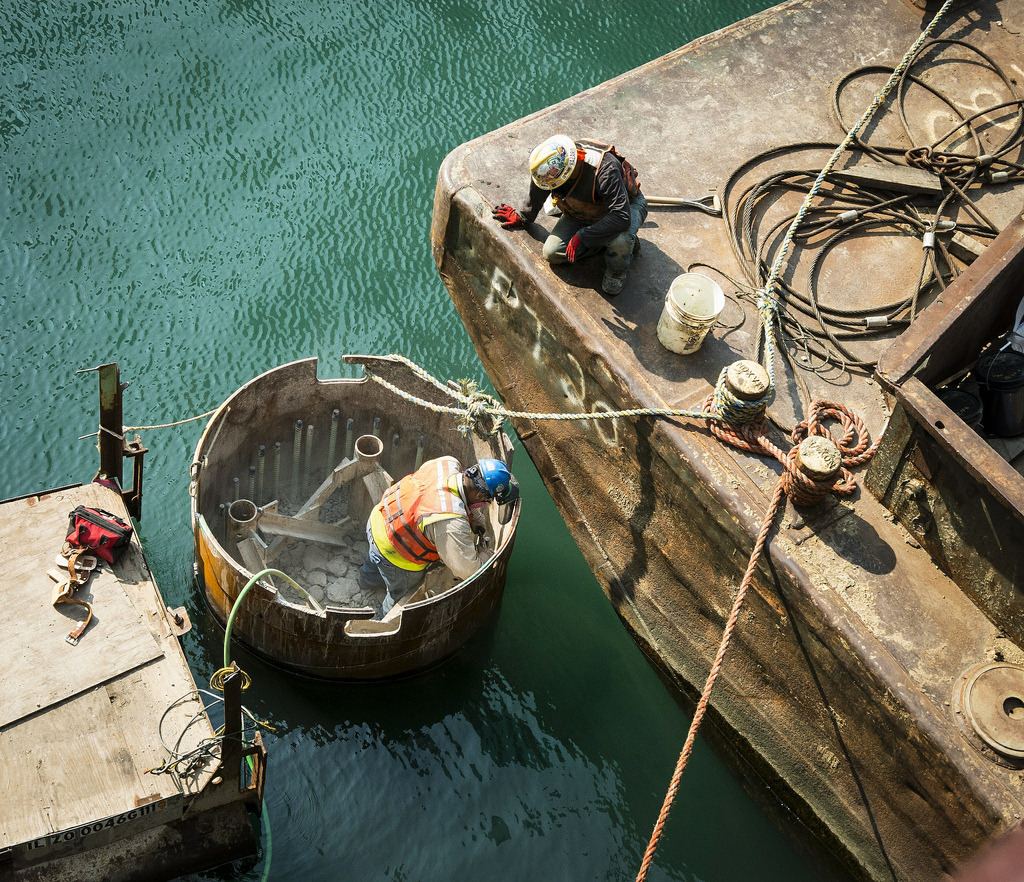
599,196
436,513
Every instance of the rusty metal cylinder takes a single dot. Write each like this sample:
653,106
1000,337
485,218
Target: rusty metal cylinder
242,514
369,448
747,380
819,458
261,464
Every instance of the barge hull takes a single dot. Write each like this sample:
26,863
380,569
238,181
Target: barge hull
800,670
836,704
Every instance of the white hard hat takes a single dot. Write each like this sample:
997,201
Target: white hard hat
553,162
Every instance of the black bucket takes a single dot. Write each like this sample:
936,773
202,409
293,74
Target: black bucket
1000,377
965,405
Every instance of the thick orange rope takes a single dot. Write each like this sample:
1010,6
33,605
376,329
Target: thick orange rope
802,490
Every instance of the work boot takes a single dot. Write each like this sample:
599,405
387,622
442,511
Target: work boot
612,285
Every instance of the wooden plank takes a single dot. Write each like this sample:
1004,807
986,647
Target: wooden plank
347,470
253,557
377,482
296,528
885,176
418,593
80,757
373,627
141,700
87,759
38,668
89,740
966,248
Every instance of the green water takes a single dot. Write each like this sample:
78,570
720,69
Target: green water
204,191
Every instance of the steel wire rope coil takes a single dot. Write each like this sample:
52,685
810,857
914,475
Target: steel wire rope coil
1010,87
731,182
741,216
836,323
809,304
885,152
954,165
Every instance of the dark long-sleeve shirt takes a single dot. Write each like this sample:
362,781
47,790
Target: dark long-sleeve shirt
611,188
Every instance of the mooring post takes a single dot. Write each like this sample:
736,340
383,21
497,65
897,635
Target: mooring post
231,743
111,428
113,446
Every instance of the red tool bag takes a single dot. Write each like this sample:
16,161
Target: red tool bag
104,533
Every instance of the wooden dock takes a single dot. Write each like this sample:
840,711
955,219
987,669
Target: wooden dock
83,726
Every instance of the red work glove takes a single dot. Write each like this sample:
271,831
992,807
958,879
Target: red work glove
571,248
509,217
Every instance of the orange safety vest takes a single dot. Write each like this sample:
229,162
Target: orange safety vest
583,202
424,497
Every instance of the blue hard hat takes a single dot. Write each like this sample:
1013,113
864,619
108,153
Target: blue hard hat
492,477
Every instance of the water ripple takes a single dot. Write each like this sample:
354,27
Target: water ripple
202,191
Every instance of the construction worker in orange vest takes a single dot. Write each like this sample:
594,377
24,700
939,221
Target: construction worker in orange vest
598,194
438,513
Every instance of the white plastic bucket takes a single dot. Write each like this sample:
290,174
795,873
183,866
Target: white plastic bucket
692,307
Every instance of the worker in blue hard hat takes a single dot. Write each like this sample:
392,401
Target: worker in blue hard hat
438,513
599,196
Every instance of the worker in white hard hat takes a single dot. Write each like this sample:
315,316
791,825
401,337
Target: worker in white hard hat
598,193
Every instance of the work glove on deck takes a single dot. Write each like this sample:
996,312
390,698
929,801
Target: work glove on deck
509,217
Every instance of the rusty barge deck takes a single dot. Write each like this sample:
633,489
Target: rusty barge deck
851,701
84,725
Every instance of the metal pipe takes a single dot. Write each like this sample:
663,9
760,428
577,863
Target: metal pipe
241,517
419,453
261,463
369,448
394,453
332,442
309,455
296,452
